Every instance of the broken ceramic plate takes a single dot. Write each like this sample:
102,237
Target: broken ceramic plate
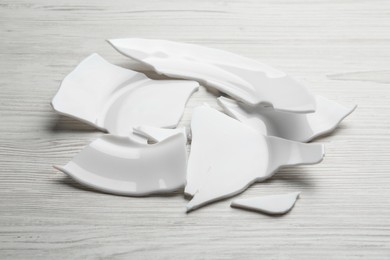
247,80
119,165
292,126
227,156
115,99
272,205
156,134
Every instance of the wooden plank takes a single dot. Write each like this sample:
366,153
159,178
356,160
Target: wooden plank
340,49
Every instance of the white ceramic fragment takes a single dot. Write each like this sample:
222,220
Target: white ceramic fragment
137,137
247,80
119,165
292,126
115,99
227,156
156,134
273,205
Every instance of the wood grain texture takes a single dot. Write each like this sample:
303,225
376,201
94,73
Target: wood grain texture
340,49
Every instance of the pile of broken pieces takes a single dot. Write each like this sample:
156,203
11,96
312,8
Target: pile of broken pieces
268,119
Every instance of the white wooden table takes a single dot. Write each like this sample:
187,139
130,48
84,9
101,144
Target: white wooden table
340,49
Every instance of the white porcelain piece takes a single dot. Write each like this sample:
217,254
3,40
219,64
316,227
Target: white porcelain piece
292,126
156,134
227,156
137,137
115,99
119,165
273,204
244,79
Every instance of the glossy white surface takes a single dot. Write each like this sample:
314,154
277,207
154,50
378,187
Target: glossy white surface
273,204
227,156
156,134
116,99
245,79
292,126
119,165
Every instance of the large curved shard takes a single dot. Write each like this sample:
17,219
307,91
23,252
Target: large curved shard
119,165
291,126
115,99
228,156
246,80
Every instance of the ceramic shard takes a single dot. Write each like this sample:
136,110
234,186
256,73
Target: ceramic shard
119,165
227,156
115,99
247,80
292,126
273,205
156,134
137,137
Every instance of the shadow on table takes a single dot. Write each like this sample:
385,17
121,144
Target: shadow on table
68,124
